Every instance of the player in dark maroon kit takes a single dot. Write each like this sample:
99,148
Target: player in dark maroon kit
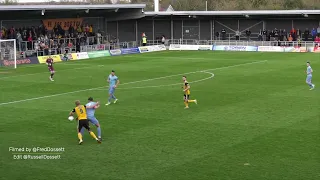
50,67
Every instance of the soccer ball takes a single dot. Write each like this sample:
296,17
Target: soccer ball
70,118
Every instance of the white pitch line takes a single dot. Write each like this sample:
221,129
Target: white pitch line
7,77
163,77
142,87
54,95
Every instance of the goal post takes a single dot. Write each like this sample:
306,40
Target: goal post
8,53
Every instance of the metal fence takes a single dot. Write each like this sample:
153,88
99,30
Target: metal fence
108,46
73,49
235,43
132,44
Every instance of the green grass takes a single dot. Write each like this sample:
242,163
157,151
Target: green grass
254,121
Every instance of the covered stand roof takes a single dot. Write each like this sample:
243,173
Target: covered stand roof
247,14
20,12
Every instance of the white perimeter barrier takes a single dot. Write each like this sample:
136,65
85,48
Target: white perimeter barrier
155,48
183,47
82,55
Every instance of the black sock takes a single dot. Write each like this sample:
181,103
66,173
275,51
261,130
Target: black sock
51,75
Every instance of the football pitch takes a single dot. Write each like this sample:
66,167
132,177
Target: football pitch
256,118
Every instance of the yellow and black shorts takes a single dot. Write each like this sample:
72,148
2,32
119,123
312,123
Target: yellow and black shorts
83,123
186,96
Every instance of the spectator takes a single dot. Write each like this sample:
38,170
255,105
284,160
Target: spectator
285,37
290,38
306,34
293,33
276,34
87,29
99,37
248,33
144,41
318,31
316,48
217,35
299,41
317,40
163,40
285,34
281,34
264,33
91,30
65,57
297,34
30,41
237,35
223,33
1,34
79,29
260,35
70,45
71,30
314,33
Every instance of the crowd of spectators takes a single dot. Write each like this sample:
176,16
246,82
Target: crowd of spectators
274,35
292,35
41,39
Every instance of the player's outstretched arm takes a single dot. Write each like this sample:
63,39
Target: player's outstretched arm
118,82
71,113
93,106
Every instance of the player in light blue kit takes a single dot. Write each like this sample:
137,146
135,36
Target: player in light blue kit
309,76
91,117
113,84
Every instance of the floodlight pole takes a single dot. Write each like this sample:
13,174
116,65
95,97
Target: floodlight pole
156,5
206,5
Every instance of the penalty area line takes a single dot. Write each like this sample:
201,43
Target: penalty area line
84,90
157,86
8,77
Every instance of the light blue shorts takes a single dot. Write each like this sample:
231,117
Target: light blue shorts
111,90
93,120
309,78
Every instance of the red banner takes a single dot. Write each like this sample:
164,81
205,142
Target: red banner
64,23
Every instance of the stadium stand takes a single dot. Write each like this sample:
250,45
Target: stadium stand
47,29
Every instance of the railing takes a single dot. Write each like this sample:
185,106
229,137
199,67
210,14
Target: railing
73,49
64,42
235,43
116,45
108,46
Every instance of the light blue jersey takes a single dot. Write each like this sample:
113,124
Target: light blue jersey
112,82
91,111
309,75
92,118
309,71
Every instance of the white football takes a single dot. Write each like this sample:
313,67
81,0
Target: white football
71,118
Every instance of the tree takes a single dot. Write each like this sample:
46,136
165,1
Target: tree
293,4
9,2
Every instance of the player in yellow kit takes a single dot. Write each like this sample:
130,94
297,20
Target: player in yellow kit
81,113
186,94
